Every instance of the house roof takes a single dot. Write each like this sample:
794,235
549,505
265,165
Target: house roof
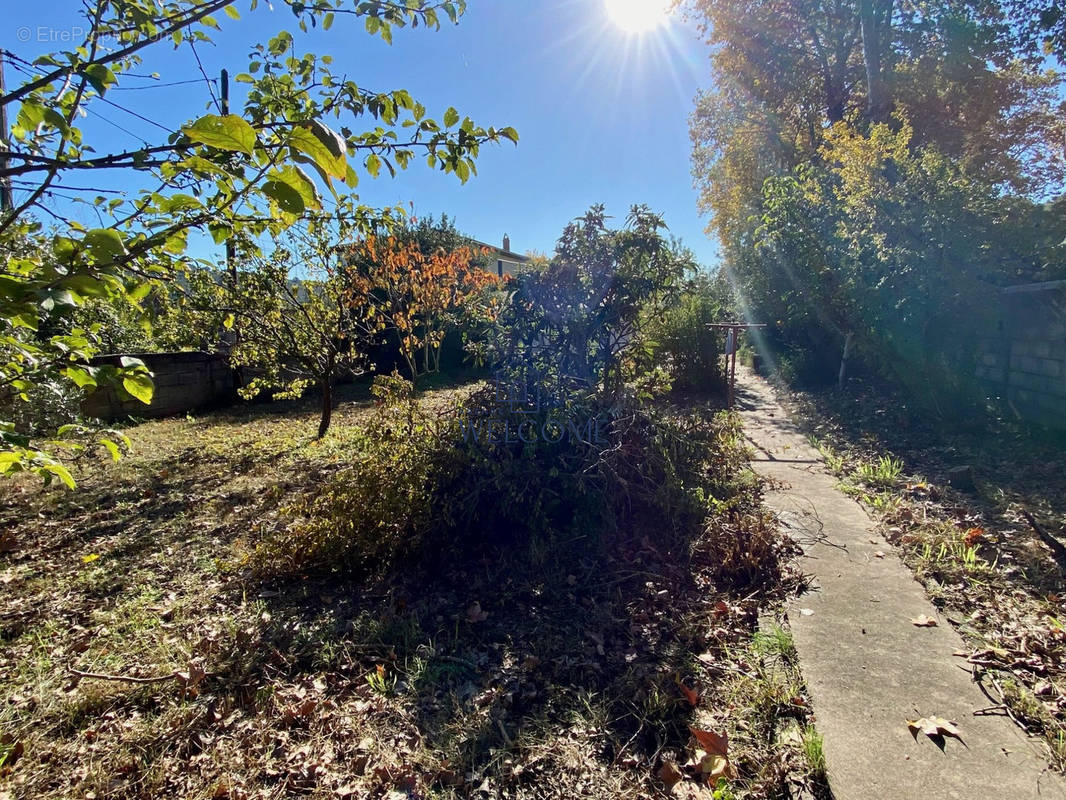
506,255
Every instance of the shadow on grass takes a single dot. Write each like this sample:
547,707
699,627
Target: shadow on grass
549,669
1015,467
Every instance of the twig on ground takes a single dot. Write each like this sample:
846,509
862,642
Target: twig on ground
127,678
1058,550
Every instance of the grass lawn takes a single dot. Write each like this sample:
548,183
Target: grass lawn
140,658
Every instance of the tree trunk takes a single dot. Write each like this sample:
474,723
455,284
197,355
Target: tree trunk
842,375
327,398
876,95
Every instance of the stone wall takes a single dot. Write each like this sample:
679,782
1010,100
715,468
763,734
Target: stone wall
1025,363
185,381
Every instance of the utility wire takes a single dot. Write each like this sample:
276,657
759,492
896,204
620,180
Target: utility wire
119,107
207,80
113,124
135,114
16,60
73,188
155,85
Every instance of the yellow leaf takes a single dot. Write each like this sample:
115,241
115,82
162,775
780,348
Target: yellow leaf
89,558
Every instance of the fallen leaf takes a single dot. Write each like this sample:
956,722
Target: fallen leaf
936,728
475,614
192,675
670,774
715,766
691,695
879,554
713,743
923,621
807,612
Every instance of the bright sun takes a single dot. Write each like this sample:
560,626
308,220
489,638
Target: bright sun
638,16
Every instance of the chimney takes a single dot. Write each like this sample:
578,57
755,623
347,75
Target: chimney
506,243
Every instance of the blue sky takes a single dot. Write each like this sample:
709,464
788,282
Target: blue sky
602,113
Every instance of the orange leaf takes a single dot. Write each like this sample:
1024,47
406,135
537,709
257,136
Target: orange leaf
691,695
713,743
670,774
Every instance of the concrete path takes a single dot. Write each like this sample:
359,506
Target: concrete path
868,668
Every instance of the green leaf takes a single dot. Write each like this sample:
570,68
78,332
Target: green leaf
224,133
104,243
82,376
219,233
11,287
300,182
310,145
61,472
112,448
139,290
100,77
85,286
330,138
451,116
232,13
179,202
287,198
139,384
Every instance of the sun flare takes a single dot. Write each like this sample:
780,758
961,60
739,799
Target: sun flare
638,16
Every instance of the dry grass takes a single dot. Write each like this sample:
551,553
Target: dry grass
562,681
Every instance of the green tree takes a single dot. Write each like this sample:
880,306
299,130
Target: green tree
289,313
575,325
896,248
807,91
238,175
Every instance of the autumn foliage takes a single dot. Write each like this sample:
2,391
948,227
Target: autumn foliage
396,287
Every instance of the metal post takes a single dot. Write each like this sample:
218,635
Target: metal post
231,256
733,333
733,330
6,202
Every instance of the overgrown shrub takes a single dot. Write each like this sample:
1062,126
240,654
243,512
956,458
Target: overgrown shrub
681,339
423,489
558,456
375,510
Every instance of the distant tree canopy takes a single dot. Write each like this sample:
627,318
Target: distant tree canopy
873,166
299,139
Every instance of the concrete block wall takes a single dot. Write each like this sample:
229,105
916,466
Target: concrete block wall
184,381
1025,362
